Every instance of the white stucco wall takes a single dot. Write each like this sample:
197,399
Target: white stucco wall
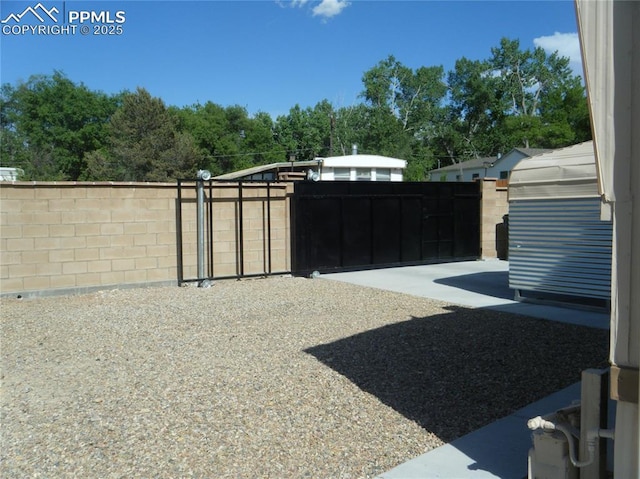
372,165
328,174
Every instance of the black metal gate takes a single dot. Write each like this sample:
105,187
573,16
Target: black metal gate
237,224
339,226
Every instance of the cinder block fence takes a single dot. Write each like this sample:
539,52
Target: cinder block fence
70,237
493,230
58,238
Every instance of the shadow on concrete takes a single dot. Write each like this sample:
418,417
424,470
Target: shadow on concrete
491,283
455,372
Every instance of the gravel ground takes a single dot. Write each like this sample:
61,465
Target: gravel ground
269,378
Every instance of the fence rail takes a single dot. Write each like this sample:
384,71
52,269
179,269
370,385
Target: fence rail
246,230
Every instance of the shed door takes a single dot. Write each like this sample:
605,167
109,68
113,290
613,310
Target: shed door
560,247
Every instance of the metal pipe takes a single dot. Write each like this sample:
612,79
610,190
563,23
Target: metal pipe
179,234
202,176
269,226
200,227
241,229
570,432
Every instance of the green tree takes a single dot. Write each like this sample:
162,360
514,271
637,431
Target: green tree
14,151
49,123
404,108
412,97
304,133
227,138
350,126
468,129
385,136
235,139
145,144
207,124
533,87
566,111
55,129
516,98
260,140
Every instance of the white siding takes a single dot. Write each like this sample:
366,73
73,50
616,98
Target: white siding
360,174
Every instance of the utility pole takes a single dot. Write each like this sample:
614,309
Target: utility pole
332,125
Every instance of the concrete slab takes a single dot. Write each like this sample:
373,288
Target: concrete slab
468,283
498,450
475,284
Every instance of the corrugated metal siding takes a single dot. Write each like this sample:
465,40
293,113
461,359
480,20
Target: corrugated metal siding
560,247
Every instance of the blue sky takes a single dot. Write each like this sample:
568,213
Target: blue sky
269,55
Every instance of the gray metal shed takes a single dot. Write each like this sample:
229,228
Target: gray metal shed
559,248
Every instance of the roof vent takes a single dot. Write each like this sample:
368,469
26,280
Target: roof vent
354,149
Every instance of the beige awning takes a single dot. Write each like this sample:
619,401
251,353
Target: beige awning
565,173
610,41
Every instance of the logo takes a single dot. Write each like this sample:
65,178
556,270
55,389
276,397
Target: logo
42,20
39,12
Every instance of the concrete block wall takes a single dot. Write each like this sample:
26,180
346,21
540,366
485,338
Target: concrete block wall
494,205
73,237
58,238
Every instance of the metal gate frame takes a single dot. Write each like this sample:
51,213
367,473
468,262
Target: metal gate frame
209,200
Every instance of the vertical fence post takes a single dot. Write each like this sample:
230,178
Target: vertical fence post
202,176
210,230
269,226
179,235
200,228
241,229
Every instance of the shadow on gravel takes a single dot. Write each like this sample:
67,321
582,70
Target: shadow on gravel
453,373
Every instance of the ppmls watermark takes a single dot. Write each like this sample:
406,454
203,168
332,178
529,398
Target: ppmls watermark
42,20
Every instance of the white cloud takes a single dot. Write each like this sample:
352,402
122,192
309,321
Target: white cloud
329,8
291,3
566,44
324,8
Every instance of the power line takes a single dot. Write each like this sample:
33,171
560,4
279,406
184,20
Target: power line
302,150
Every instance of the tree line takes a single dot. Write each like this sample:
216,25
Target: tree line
55,129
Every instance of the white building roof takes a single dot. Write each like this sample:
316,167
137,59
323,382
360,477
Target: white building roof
234,175
565,173
362,161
